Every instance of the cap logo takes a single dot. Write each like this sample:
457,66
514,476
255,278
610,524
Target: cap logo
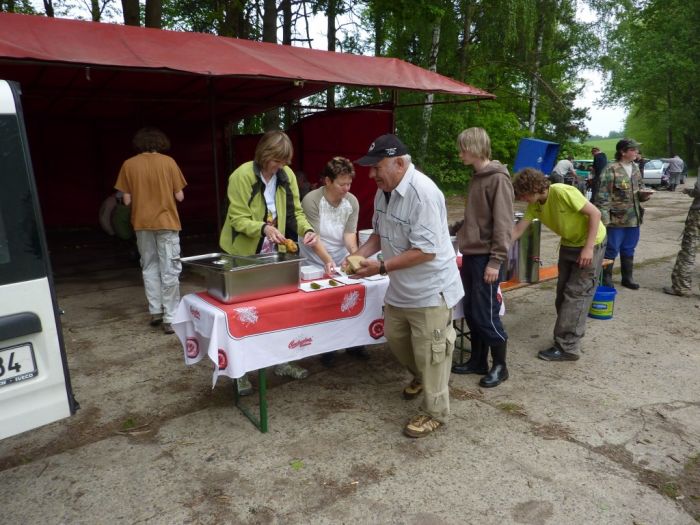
371,147
390,151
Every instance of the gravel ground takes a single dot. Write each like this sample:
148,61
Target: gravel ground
613,438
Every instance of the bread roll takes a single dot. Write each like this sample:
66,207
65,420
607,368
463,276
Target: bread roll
354,263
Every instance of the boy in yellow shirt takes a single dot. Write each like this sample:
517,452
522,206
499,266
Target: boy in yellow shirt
565,211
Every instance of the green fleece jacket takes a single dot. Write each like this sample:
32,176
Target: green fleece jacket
245,218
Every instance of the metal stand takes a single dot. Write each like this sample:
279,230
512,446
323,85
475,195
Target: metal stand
261,421
463,333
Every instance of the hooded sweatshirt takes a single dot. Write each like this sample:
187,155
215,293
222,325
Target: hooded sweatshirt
488,215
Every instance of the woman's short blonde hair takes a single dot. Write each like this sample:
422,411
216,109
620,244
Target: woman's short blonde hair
475,141
274,146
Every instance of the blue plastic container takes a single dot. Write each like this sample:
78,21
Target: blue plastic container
603,303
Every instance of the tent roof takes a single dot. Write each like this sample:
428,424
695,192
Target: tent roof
70,65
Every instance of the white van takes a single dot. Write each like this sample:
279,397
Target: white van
35,386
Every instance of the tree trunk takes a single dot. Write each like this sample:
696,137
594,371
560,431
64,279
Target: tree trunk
669,130
378,24
464,59
95,10
330,16
428,108
535,82
271,119
286,6
132,12
154,14
48,7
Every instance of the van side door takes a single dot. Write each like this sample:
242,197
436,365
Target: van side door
35,385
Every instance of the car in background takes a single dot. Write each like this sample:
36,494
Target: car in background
655,173
583,168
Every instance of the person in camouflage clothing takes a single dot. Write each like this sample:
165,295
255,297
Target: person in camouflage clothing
618,200
681,277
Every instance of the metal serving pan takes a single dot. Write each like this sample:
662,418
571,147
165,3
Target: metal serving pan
234,279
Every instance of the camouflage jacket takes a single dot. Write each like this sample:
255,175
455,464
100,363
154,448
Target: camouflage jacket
618,196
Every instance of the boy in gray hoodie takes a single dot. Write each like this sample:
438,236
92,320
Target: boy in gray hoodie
484,240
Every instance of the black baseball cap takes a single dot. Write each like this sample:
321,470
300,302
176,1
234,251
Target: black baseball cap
383,147
625,144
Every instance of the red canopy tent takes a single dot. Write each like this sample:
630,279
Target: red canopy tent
88,86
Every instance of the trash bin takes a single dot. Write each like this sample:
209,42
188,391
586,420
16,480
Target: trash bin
524,254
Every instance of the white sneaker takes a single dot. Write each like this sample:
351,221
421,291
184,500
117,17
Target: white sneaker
291,370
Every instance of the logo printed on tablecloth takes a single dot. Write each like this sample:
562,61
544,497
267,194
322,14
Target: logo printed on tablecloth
195,313
349,301
192,347
300,341
247,315
376,329
223,359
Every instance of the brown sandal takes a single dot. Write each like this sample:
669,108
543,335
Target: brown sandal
421,425
413,390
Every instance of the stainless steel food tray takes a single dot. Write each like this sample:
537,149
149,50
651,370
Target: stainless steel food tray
233,278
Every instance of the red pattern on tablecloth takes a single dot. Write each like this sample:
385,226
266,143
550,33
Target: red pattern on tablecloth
283,312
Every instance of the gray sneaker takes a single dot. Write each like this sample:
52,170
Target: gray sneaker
244,386
291,370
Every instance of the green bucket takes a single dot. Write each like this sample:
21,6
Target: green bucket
603,303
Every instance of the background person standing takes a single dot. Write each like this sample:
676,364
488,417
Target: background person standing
600,161
675,168
682,274
619,200
152,183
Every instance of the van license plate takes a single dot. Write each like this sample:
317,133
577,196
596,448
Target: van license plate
17,364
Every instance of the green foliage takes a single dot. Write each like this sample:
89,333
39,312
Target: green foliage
653,59
607,146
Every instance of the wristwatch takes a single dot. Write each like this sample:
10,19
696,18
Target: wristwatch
382,268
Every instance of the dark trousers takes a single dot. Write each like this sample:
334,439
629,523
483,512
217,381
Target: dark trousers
481,302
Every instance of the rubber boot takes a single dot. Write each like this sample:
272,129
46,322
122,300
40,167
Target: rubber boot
499,371
477,363
627,265
607,276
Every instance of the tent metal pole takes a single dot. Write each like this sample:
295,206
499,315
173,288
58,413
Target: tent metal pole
212,114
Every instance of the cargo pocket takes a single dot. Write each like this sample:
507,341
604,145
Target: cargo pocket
439,347
172,251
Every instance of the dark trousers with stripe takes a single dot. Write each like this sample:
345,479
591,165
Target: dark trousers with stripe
481,303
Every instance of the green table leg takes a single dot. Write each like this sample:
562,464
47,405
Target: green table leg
261,421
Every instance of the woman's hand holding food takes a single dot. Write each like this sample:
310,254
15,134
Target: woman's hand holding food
273,234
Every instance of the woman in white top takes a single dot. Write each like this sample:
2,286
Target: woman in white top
333,211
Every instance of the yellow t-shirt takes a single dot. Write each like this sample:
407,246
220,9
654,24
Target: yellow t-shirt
561,213
152,179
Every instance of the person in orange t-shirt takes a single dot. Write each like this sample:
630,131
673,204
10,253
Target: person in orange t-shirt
152,184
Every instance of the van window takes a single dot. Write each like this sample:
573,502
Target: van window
20,246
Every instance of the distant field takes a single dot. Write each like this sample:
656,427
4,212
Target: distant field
607,146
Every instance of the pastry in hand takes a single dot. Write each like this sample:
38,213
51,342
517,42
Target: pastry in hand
291,246
354,263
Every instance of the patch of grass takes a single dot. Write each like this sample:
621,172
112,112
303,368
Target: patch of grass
512,408
671,489
296,464
607,146
693,462
128,424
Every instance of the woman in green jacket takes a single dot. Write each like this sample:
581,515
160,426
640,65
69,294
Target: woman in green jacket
263,206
